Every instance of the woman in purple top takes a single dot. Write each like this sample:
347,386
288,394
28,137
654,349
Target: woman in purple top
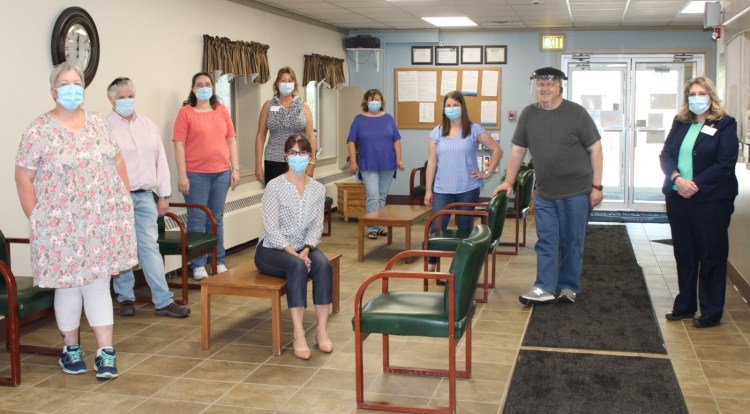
379,142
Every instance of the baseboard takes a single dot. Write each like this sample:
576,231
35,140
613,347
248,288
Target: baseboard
739,282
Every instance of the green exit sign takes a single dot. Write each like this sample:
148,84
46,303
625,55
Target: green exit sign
554,42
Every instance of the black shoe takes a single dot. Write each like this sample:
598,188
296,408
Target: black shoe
127,308
673,315
174,310
706,322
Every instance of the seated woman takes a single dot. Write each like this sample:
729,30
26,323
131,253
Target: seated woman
293,222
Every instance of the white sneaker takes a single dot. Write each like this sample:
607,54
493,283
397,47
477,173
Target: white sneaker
221,268
536,295
199,273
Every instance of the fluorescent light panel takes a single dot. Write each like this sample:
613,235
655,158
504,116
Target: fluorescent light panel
459,21
694,7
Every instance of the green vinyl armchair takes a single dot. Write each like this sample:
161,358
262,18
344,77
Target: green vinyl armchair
518,210
430,314
187,244
447,240
21,303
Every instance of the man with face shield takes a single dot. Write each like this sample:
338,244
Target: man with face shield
565,145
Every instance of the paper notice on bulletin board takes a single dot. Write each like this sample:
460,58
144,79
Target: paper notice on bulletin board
426,86
407,86
470,82
426,112
448,82
488,111
489,82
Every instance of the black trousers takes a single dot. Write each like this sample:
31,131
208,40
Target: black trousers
273,169
700,234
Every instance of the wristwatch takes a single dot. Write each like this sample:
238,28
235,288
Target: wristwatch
166,197
597,187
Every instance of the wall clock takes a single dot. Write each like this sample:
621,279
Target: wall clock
75,39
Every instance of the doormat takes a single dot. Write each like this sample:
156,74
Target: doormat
613,311
628,217
558,382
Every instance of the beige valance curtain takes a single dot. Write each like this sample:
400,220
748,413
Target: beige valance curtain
319,68
236,57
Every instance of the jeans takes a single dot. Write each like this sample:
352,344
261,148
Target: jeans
281,264
561,229
146,233
377,183
210,190
439,201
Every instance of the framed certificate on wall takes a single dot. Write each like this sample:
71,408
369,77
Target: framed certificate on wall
421,55
495,54
446,55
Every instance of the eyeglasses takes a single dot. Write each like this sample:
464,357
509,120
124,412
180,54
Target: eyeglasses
546,84
295,153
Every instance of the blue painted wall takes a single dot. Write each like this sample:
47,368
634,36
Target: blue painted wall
523,57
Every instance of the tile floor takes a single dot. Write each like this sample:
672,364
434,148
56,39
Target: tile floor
164,370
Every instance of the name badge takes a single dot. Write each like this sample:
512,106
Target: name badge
708,130
276,108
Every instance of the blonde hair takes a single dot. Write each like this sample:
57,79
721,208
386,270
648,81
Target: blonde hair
64,67
715,111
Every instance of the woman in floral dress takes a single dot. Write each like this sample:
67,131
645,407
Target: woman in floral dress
72,185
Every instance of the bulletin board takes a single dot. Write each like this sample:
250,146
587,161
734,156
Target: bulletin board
407,113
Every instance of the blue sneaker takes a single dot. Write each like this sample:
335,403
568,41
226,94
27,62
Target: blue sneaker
71,360
105,364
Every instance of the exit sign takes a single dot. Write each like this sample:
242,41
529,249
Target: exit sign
554,42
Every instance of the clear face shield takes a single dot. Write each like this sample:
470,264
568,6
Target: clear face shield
545,90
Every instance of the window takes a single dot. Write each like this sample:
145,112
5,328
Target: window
241,99
322,102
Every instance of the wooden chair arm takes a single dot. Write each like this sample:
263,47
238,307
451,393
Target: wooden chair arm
11,290
484,214
17,240
452,206
206,210
413,174
415,253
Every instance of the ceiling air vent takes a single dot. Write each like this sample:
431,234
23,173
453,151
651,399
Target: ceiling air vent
501,23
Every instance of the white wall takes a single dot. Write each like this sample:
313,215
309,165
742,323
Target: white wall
158,44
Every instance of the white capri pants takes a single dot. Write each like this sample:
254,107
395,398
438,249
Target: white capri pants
95,298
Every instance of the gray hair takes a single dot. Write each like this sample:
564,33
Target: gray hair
117,84
64,67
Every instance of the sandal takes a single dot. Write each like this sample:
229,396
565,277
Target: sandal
382,232
372,235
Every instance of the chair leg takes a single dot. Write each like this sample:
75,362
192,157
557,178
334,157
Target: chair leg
524,232
485,284
184,278
12,342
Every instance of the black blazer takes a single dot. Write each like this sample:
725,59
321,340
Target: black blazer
714,159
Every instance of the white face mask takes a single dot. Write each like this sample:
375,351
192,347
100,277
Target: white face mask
286,88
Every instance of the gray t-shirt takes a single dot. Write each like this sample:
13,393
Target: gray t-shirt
558,142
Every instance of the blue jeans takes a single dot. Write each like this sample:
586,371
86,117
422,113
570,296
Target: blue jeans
210,190
561,229
152,264
439,201
281,264
377,183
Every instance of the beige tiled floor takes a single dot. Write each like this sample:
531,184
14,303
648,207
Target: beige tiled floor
164,370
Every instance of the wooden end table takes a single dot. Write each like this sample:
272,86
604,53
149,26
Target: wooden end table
390,216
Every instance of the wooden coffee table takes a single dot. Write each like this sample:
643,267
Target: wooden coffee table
390,216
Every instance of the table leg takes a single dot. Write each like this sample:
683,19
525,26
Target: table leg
276,322
407,238
390,234
336,288
361,241
205,318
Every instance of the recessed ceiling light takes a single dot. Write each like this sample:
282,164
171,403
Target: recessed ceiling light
694,7
461,21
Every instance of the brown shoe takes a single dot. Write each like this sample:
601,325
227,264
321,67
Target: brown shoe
127,308
174,310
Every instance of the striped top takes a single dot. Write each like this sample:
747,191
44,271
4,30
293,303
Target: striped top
281,124
455,158
291,219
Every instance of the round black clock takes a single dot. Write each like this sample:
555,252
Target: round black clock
75,39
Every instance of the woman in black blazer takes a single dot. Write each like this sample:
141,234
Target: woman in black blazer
700,185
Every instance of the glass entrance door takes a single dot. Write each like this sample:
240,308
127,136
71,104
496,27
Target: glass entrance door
632,99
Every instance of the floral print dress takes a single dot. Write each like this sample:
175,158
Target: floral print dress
82,227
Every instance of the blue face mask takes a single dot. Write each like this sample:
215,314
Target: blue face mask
286,88
204,93
125,107
374,106
453,112
70,97
298,163
698,104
